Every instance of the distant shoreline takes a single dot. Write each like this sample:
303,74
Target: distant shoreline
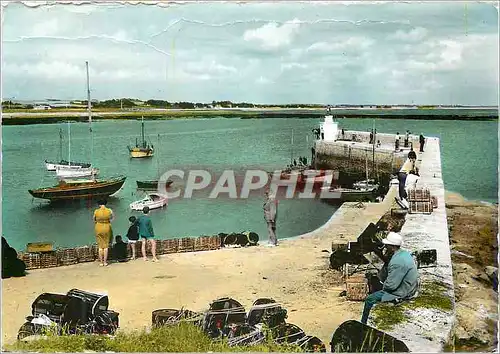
59,115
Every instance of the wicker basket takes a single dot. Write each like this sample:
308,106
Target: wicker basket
66,256
84,254
48,259
214,242
202,243
356,288
186,244
32,260
420,207
419,195
95,250
170,246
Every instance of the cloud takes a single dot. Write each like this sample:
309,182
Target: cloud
46,28
350,43
414,35
272,35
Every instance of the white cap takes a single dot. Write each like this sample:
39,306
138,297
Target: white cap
394,239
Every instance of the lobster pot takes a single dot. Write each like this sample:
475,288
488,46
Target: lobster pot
160,247
165,317
420,207
419,195
32,260
84,254
48,259
202,243
51,305
20,255
97,303
356,288
170,246
186,244
66,256
95,251
214,243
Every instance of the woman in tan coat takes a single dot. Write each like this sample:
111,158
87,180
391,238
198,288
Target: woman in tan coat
103,231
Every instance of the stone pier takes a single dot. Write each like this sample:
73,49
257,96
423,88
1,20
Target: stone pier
426,323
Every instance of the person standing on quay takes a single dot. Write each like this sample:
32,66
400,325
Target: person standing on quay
422,142
270,214
147,233
103,230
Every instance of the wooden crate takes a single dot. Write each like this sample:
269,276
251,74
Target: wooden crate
419,195
214,243
95,250
201,243
434,201
420,207
32,260
356,289
39,247
66,256
186,244
170,246
48,259
84,254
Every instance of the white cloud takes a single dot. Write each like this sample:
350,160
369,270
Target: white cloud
271,35
46,28
414,35
263,80
350,43
291,66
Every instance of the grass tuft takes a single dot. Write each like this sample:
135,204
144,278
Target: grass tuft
184,337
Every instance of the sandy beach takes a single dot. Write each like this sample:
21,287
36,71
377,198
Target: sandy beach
292,273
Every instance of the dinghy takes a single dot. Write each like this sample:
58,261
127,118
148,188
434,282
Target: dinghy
152,201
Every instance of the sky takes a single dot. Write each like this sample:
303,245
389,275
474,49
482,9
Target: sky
276,52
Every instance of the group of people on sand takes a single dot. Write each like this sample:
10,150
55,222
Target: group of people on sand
141,227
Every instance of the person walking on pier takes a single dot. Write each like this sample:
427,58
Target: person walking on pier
103,231
396,143
422,142
146,232
400,277
270,215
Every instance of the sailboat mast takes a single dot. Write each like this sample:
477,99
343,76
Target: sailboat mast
60,144
69,143
142,133
89,112
291,150
158,158
89,106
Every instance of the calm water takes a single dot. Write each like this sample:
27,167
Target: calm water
469,158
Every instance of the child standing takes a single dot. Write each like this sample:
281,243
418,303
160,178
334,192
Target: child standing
146,232
120,249
133,234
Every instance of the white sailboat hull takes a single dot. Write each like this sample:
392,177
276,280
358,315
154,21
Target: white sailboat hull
76,172
152,201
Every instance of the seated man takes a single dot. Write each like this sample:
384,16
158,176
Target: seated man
400,280
120,250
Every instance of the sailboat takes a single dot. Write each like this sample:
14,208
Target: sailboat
53,165
153,184
71,171
80,188
141,150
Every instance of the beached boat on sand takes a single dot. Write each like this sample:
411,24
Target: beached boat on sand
152,201
80,189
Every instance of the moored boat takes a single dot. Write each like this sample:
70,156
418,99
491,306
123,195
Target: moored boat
80,189
151,184
152,201
54,165
141,150
64,172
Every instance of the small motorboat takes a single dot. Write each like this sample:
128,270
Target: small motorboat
152,185
152,201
